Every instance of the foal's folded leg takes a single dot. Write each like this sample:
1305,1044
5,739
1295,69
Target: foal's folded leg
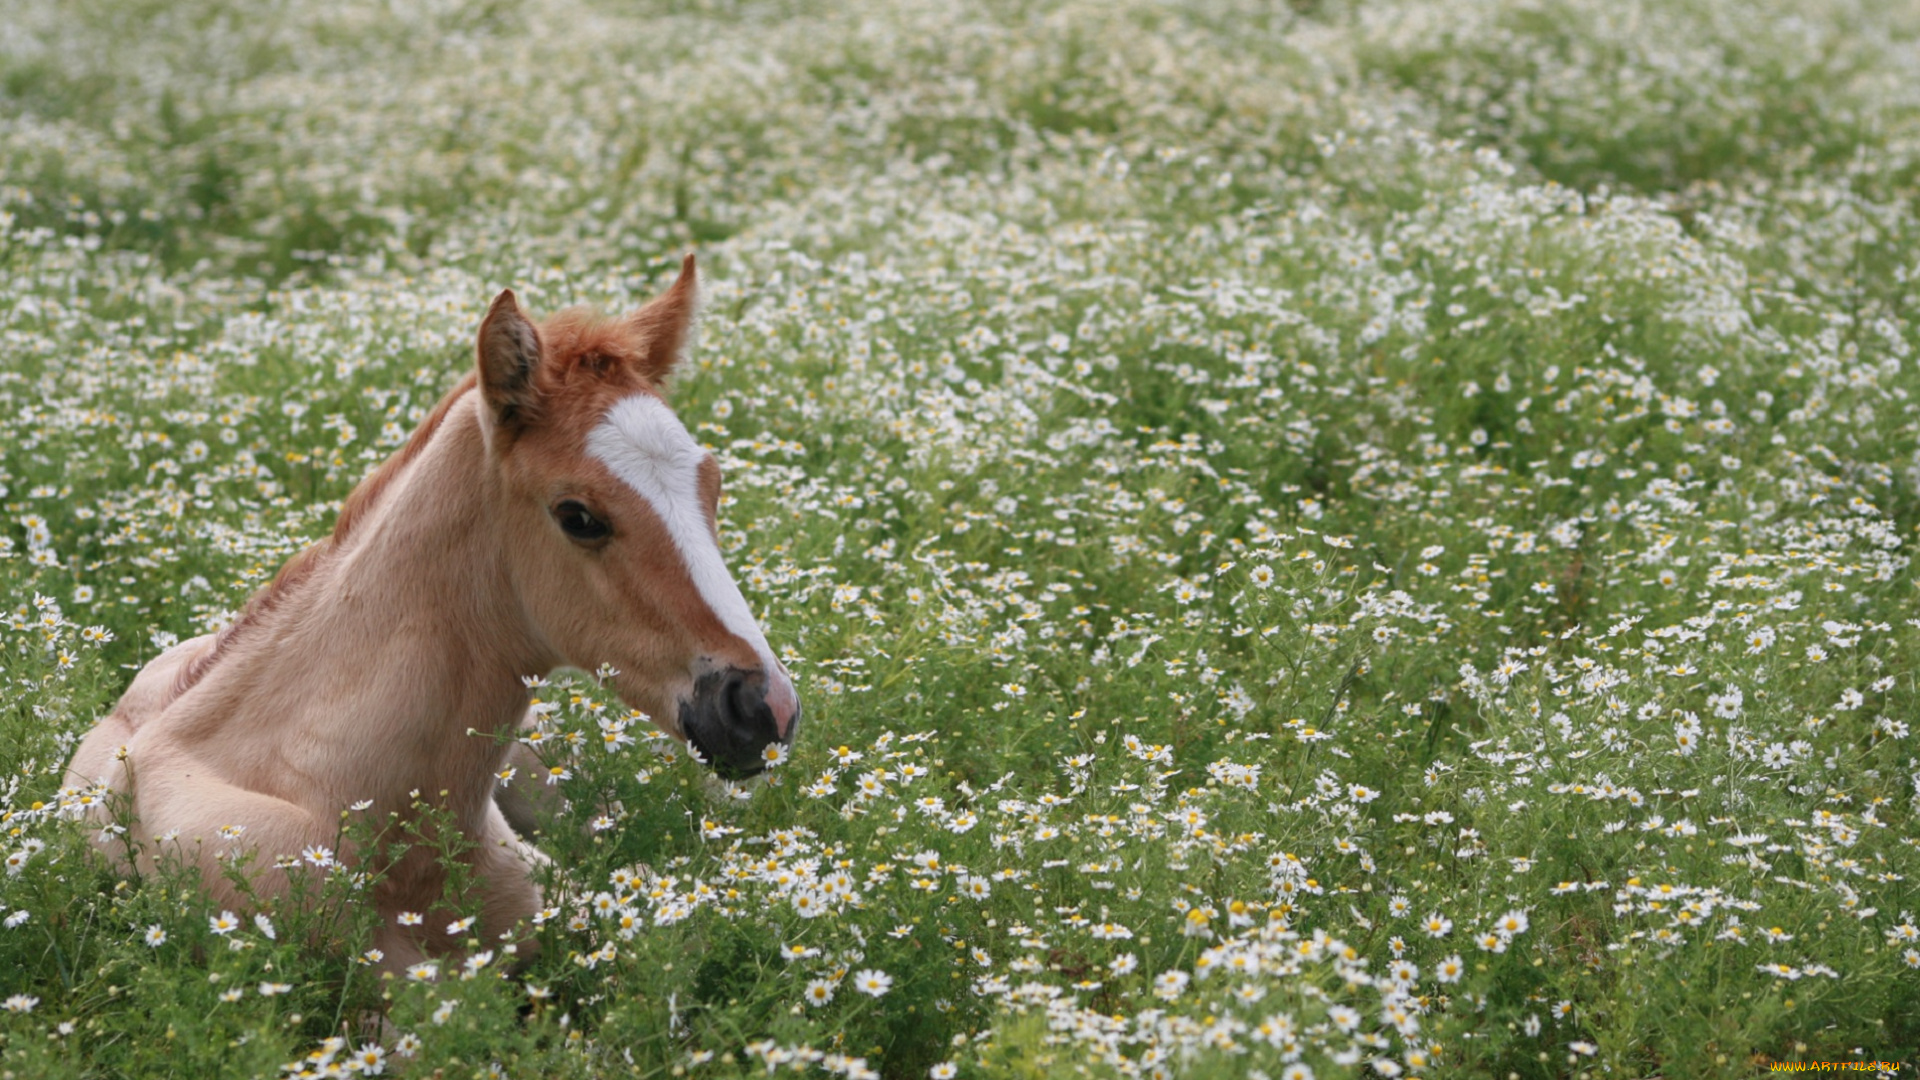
505,865
180,807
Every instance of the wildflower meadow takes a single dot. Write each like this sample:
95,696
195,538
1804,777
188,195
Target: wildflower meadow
1315,540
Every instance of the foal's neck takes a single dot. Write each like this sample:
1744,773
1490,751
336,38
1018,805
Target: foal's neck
423,576
408,636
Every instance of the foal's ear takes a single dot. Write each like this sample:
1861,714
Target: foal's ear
509,352
665,327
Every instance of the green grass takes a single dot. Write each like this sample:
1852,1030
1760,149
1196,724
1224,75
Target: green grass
1233,482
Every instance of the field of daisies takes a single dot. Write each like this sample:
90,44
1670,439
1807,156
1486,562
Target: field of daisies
1316,540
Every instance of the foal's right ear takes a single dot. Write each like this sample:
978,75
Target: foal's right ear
509,352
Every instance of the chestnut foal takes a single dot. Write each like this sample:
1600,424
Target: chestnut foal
551,511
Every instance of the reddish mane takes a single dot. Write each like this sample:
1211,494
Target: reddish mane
581,336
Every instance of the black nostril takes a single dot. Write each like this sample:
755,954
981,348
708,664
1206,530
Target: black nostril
738,695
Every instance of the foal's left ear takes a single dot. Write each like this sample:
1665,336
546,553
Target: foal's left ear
509,353
665,326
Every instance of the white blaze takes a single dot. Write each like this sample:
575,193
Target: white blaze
645,445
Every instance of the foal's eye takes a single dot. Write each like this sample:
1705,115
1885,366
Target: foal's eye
579,522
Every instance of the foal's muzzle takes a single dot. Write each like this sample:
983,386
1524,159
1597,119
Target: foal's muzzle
734,715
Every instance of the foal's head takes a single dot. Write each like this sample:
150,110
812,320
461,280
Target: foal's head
608,507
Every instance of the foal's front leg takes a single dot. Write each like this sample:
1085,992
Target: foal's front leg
504,865
180,807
